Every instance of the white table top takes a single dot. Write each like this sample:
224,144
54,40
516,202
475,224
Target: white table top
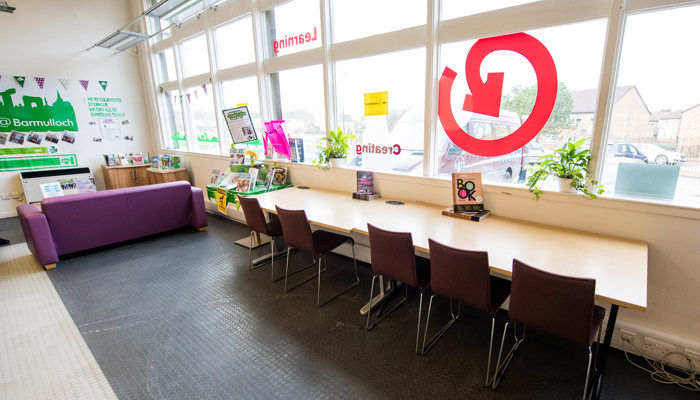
619,265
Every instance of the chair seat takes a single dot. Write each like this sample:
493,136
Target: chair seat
274,228
598,315
325,241
500,290
422,272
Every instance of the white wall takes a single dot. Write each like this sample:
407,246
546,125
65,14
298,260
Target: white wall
46,38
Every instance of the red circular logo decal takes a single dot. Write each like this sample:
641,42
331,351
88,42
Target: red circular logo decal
485,97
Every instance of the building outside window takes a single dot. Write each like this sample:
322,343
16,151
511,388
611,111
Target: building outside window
656,109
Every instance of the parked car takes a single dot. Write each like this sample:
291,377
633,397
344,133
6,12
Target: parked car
536,151
505,168
625,150
660,155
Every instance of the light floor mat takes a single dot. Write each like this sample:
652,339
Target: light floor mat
43,355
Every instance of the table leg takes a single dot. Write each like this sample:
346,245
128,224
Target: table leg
602,356
386,290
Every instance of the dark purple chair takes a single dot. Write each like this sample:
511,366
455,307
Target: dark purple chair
463,276
561,306
255,219
394,257
297,233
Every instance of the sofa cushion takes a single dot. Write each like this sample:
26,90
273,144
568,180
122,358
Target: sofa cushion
159,208
87,220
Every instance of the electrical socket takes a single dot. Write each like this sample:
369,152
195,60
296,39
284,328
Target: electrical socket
6,196
653,347
627,336
15,195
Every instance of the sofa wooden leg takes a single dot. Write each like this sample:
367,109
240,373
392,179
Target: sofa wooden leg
202,229
50,266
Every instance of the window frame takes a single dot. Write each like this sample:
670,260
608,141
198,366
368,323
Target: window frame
431,35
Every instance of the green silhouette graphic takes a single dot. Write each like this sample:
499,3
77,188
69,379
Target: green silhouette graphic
178,136
35,114
204,137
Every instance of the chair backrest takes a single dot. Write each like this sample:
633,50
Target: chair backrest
254,217
462,275
296,229
560,305
393,255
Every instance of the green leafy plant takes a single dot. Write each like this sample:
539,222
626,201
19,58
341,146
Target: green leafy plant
568,162
335,145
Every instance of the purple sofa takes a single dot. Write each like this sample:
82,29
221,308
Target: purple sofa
84,221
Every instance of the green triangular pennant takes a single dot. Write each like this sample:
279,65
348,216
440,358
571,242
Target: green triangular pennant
103,84
20,80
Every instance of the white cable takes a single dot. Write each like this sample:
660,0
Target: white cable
660,374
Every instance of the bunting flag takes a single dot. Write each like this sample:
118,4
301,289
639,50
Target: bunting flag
205,89
40,82
104,85
196,94
20,80
188,97
85,84
64,82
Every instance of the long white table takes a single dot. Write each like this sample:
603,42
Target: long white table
618,265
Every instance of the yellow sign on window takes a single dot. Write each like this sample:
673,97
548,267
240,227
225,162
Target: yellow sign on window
377,103
221,195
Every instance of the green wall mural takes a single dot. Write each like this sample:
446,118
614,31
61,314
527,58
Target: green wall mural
35,114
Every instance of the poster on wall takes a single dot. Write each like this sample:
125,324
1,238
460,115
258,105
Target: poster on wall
110,115
34,108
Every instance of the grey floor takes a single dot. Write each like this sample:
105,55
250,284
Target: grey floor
179,316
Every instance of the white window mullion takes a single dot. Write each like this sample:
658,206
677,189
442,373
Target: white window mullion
328,66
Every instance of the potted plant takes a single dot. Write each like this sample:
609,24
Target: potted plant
570,165
333,149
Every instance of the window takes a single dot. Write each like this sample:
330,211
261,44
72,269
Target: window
301,105
292,27
195,56
393,141
205,133
663,88
376,16
577,51
166,59
235,44
175,138
244,91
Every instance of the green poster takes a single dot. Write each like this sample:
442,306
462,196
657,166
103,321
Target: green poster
24,150
35,113
38,162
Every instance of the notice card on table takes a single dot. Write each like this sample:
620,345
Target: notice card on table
52,189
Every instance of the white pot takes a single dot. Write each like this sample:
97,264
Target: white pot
565,186
337,162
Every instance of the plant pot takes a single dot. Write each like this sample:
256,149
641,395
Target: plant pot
565,186
337,162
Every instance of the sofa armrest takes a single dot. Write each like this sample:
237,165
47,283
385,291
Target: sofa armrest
38,235
199,211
